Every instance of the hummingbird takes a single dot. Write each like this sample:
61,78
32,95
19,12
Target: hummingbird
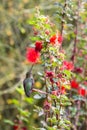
28,84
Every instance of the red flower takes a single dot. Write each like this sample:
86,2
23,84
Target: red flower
32,55
35,33
78,70
24,128
51,80
68,65
54,93
82,91
54,38
57,92
60,39
38,45
58,83
63,90
49,74
59,75
47,32
47,105
15,127
74,84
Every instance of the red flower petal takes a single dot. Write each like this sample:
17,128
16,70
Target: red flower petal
78,70
68,65
60,39
53,39
63,90
74,84
49,74
38,45
24,128
82,91
32,55
15,127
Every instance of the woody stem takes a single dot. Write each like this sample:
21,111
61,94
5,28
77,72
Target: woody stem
39,91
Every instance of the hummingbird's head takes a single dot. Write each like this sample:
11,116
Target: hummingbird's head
28,74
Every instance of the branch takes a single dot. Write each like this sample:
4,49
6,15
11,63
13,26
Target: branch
76,34
63,16
13,88
10,90
39,91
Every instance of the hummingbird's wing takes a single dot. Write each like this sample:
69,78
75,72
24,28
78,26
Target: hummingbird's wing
28,86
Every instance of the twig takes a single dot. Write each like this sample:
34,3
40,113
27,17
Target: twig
75,44
39,91
31,68
78,113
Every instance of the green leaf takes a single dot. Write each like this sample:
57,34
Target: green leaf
25,119
16,102
23,31
67,87
24,112
64,97
62,124
67,104
20,90
53,96
31,22
67,121
67,73
29,100
51,128
80,98
34,39
8,122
